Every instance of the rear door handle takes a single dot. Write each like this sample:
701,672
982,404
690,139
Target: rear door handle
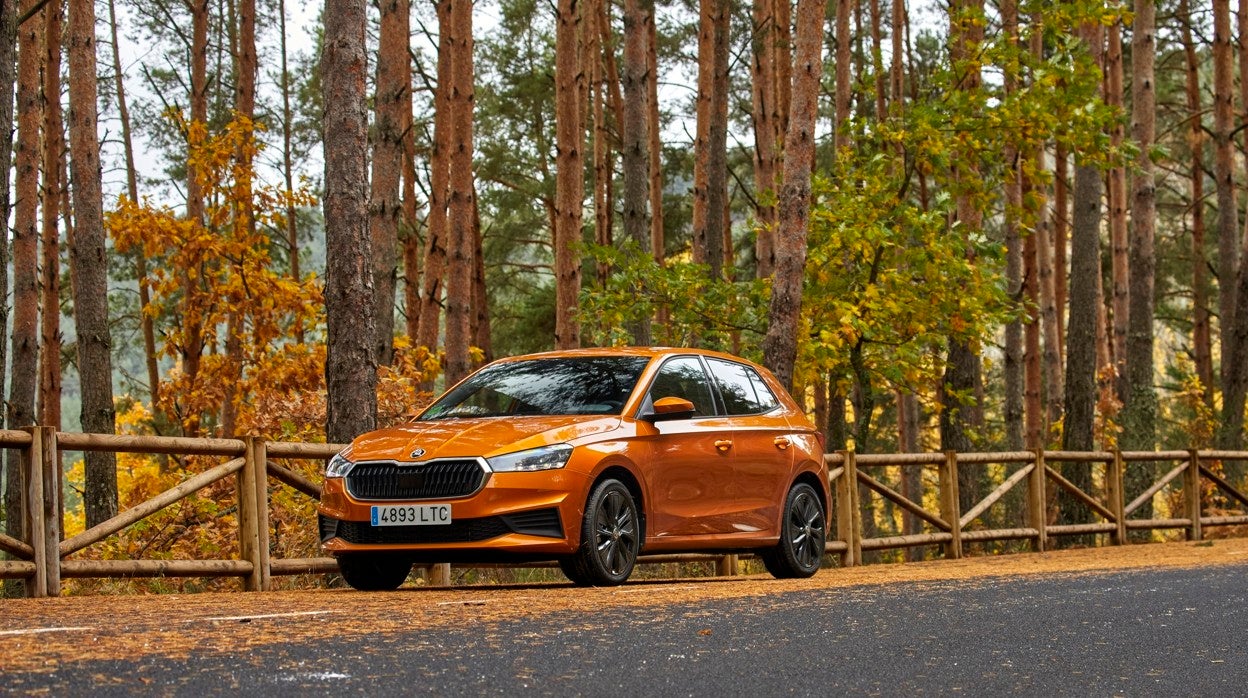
782,442
723,444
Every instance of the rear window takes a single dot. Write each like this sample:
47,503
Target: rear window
741,388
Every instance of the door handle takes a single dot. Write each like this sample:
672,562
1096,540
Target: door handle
782,442
723,444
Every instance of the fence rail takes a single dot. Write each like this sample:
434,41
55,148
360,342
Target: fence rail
42,551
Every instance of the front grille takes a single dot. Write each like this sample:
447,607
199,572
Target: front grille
543,522
439,479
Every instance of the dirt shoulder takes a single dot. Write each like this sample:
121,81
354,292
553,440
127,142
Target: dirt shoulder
41,635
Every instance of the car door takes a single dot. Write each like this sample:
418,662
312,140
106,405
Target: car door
761,462
690,469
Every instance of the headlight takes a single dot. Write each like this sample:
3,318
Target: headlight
338,466
544,458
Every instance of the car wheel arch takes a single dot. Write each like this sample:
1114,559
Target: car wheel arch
812,478
630,481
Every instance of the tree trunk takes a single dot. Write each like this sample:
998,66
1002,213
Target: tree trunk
962,367
844,88
439,184
1202,348
481,336
764,103
636,141
350,367
1228,249
89,264
12,495
710,168
394,97
1140,410
193,348
460,203
657,241
25,338
780,343
49,407
1117,200
602,181
1014,359
570,173
288,169
1061,240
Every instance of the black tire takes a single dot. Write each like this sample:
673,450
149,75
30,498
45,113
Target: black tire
803,536
374,571
610,538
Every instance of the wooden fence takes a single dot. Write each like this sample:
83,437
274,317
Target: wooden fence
43,551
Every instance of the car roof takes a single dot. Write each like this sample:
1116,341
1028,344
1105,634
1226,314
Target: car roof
646,352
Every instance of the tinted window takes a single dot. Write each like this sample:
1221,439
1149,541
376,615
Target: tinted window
583,385
683,377
737,387
766,398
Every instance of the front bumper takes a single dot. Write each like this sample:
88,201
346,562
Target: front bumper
531,514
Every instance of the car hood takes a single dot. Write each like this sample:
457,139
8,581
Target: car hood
459,438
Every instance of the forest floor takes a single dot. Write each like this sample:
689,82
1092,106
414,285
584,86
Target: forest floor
42,635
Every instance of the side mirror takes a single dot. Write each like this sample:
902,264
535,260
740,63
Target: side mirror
669,408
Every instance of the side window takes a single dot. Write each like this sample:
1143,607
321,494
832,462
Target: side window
766,398
737,387
683,377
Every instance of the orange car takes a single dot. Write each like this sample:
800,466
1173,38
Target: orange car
591,458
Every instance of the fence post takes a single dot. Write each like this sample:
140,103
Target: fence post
949,507
260,454
1115,485
1037,514
248,533
440,574
31,461
726,566
847,511
50,467
1191,493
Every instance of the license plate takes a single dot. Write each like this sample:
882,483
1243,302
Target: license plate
411,515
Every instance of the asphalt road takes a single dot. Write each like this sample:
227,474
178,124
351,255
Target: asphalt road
1180,632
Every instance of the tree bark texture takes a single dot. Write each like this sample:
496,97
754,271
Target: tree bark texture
460,202
89,263
1227,221
1202,345
350,366
439,186
784,316
1140,409
25,337
49,403
765,120
385,208
1014,382
1117,200
636,142
657,236
710,169
569,172
844,88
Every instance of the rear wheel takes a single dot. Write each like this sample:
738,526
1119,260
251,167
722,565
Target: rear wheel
374,572
610,538
803,535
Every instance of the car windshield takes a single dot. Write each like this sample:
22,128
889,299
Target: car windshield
563,386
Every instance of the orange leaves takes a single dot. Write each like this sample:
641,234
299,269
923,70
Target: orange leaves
216,276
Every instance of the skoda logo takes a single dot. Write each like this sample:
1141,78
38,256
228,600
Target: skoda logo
418,453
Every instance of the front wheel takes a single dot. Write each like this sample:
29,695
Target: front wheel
374,572
610,538
803,535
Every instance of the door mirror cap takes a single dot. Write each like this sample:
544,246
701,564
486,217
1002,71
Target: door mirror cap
668,408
